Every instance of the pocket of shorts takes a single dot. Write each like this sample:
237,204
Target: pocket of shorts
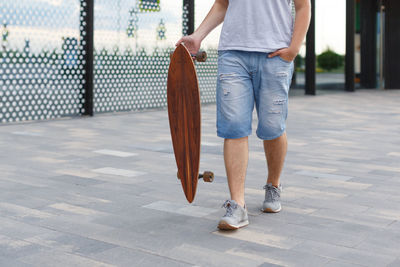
222,52
283,60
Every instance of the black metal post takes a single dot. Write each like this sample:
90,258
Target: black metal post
189,27
392,44
310,55
87,44
368,11
294,78
350,36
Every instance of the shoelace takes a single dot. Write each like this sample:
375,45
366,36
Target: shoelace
271,193
229,206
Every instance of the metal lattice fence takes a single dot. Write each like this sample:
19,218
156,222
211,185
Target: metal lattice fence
207,71
41,60
44,73
131,53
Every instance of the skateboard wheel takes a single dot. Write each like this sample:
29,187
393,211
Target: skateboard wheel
208,176
201,56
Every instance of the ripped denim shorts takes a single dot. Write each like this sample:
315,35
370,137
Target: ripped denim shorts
246,79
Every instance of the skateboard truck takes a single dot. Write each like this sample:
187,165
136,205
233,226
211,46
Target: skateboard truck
201,56
207,176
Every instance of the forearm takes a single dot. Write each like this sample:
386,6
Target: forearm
213,19
302,22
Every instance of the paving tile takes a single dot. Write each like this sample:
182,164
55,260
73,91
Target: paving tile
201,256
394,154
366,258
266,264
394,263
265,239
57,258
65,207
334,236
12,262
278,256
14,248
338,263
26,133
187,210
118,172
21,211
77,172
328,176
359,218
322,249
76,180
121,256
79,225
116,153
332,205
301,192
385,240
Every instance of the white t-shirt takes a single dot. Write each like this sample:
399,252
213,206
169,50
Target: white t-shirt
257,25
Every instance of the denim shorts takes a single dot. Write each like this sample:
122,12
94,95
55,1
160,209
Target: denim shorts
246,79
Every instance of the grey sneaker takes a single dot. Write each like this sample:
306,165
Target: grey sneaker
272,202
235,217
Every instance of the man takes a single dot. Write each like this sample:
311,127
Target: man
258,44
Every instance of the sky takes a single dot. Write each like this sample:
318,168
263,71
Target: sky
330,30
45,22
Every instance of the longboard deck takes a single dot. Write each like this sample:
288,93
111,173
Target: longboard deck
183,99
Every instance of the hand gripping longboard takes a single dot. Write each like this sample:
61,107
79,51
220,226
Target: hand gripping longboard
201,56
184,114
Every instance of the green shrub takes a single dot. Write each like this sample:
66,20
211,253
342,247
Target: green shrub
299,61
330,60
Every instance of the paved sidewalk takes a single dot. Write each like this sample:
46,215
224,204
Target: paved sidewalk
103,191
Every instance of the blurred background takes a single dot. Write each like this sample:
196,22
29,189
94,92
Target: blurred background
81,57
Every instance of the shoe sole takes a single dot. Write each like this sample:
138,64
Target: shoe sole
226,226
271,210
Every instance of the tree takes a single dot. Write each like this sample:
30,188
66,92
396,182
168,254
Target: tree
330,60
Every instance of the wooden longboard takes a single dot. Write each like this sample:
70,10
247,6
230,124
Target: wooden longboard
184,114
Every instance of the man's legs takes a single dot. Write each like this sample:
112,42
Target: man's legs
236,156
235,105
275,153
272,107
